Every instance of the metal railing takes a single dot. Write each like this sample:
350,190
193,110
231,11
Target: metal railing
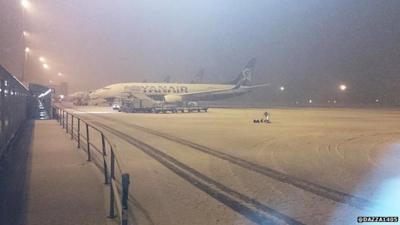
14,99
100,151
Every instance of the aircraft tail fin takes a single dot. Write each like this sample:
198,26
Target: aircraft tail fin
167,79
199,77
244,77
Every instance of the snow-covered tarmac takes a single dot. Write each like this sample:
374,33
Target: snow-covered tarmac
309,166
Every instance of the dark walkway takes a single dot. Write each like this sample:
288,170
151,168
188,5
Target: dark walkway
44,180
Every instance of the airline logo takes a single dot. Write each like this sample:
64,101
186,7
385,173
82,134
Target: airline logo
246,74
164,89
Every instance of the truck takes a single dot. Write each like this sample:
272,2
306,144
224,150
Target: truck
134,103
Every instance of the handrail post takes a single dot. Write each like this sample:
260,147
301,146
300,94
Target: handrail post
59,116
79,132
112,169
88,141
125,191
66,123
103,143
72,126
112,176
55,114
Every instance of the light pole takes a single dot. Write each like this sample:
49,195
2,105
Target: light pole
343,87
27,51
25,5
341,97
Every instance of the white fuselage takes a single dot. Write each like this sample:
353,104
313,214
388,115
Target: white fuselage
159,90
176,92
162,89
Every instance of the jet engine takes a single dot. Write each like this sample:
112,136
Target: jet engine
172,98
192,104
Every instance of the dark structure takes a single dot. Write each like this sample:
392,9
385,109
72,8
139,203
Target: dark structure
15,99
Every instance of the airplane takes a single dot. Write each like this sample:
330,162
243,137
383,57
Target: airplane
179,93
167,79
199,77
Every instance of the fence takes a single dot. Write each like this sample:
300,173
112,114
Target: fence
100,151
14,99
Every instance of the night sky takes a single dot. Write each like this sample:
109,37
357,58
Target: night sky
310,47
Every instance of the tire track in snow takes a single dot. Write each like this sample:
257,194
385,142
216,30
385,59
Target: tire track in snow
244,205
314,188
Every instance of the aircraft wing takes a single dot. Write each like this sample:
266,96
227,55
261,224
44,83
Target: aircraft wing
210,94
207,92
140,96
255,86
216,91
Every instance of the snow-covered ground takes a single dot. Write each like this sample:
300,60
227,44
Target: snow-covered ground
312,166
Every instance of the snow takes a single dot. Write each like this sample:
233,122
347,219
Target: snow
355,151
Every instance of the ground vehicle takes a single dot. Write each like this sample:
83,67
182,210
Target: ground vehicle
133,104
116,105
136,105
